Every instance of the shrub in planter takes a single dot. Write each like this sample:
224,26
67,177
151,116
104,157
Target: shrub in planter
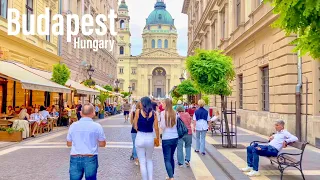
101,114
10,134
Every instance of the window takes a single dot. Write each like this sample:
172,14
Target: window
265,88
223,29
159,27
79,7
133,70
160,16
159,43
121,50
240,78
213,36
29,8
121,85
153,43
121,70
48,36
166,43
122,24
3,8
238,6
133,86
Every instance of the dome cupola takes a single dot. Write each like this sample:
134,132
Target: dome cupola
160,15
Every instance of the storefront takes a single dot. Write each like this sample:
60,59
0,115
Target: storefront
21,87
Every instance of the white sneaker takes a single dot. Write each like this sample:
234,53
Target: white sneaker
253,173
246,169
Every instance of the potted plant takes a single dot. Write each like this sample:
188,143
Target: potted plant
10,134
101,114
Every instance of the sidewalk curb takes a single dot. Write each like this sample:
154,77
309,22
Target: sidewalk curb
227,167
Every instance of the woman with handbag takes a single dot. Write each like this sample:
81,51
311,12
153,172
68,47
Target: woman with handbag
145,122
168,124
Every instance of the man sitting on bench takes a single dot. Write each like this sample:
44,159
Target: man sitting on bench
276,142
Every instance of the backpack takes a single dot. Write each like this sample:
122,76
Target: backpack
181,128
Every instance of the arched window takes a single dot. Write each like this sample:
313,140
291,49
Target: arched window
159,43
166,43
121,50
122,24
153,43
133,86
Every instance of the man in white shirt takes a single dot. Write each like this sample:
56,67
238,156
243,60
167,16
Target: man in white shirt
84,138
277,141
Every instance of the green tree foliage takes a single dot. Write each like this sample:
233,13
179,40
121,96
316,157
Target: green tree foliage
89,83
206,99
187,88
213,72
300,17
176,99
108,88
60,74
125,94
175,93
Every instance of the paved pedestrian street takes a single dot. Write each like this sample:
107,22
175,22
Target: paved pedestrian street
47,157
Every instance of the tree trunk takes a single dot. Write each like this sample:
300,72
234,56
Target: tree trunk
60,108
223,105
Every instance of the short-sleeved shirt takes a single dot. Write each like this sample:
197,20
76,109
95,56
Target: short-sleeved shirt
201,124
84,135
126,107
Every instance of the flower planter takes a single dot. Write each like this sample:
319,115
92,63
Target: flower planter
14,137
101,116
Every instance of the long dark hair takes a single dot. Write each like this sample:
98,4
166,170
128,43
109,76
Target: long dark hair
146,105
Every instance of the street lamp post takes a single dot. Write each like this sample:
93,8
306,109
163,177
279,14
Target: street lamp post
90,71
130,88
182,78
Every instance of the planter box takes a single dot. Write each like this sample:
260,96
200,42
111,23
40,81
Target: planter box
14,137
101,116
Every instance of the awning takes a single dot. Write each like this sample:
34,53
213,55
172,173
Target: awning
81,89
99,88
29,79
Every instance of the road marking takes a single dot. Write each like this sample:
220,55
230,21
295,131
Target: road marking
48,137
9,150
199,169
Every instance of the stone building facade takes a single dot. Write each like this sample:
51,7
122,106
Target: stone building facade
158,68
265,64
104,61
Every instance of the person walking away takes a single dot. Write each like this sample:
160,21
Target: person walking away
126,110
186,139
145,123
79,107
168,124
84,138
201,117
97,109
135,106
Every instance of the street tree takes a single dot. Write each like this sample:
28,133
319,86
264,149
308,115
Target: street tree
213,72
60,75
108,87
125,94
187,87
300,17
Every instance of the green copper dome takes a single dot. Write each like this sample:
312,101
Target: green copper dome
160,15
123,5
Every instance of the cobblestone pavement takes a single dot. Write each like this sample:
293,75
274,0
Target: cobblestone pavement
47,157
310,163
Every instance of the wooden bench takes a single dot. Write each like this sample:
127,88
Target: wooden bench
285,160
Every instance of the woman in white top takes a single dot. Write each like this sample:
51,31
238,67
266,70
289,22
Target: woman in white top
168,124
36,118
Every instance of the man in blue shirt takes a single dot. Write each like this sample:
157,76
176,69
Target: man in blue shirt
84,138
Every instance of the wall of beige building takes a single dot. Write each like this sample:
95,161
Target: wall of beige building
254,45
104,61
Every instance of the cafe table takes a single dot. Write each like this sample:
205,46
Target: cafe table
5,117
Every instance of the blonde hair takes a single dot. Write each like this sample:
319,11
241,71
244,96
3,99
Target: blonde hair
169,114
201,103
23,113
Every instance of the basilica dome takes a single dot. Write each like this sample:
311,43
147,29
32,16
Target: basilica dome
160,15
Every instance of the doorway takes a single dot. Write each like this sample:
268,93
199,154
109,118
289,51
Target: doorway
159,82
3,95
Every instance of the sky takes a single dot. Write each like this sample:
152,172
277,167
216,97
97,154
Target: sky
139,10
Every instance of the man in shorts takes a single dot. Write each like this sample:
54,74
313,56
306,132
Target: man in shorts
126,110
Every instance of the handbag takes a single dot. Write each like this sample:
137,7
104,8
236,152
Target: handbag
181,128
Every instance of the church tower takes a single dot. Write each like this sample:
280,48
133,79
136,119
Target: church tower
124,45
159,31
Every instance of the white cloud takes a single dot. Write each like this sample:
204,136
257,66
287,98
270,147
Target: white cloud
139,10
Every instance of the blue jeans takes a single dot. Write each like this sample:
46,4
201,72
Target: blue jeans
134,151
201,140
187,140
253,154
86,165
168,148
